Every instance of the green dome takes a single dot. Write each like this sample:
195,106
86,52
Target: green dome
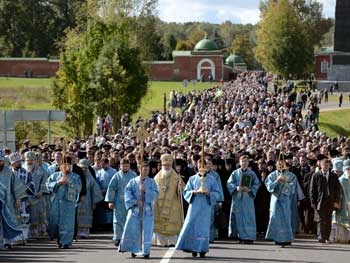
234,60
205,45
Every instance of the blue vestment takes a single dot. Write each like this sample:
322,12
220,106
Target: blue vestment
282,194
213,227
103,178
64,202
8,224
115,195
130,240
195,233
39,207
22,212
342,216
85,206
16,190
242,216
53,168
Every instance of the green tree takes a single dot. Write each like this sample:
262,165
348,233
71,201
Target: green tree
310,13
243,46
35,130
219,40
31,28
119,79
195,36
183,45
169,44
283,46
101,71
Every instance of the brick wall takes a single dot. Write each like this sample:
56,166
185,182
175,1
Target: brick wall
34,67
183,67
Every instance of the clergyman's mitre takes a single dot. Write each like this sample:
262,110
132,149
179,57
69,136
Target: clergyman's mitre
166,159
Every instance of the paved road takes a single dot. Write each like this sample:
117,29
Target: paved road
333,106
101,249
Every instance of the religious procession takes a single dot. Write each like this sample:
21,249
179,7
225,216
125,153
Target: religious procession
240,161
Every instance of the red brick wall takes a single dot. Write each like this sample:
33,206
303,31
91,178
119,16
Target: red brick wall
160,71
38,67
318,59
183,67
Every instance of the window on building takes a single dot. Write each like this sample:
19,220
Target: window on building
324,66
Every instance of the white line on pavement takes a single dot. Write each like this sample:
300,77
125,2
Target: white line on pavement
167,256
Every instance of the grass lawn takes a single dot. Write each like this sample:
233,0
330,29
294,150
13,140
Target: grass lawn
25,93
335,123
24,82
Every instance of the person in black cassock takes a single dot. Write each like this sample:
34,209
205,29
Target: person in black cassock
262,199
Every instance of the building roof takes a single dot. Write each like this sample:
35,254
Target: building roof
181,53
326,50
234,60
206,45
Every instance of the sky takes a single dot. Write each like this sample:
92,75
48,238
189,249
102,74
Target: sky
219,11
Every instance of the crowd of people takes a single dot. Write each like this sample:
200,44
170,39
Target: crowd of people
242,153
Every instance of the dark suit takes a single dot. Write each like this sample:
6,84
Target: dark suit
323,195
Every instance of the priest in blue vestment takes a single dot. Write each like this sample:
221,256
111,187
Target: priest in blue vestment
140,194
243,185
115,197
195,233
282,185
9,227
65,187
87,204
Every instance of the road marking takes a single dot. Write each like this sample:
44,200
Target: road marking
170,252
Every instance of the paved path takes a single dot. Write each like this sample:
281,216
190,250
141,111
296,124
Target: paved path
100,249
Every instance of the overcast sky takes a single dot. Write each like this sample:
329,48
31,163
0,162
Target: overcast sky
218,11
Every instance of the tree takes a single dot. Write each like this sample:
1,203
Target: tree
35,130
195,36
119,79
310,13
100,71
243,46
31,28
183,45
283,45
219,40
169,44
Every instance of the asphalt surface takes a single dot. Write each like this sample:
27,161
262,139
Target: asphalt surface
100,248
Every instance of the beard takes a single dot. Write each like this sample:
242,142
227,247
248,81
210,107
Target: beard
166,172
28,167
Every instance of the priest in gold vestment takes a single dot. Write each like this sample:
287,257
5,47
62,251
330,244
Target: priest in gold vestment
168,208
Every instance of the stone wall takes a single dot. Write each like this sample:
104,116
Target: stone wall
344,86
339,73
